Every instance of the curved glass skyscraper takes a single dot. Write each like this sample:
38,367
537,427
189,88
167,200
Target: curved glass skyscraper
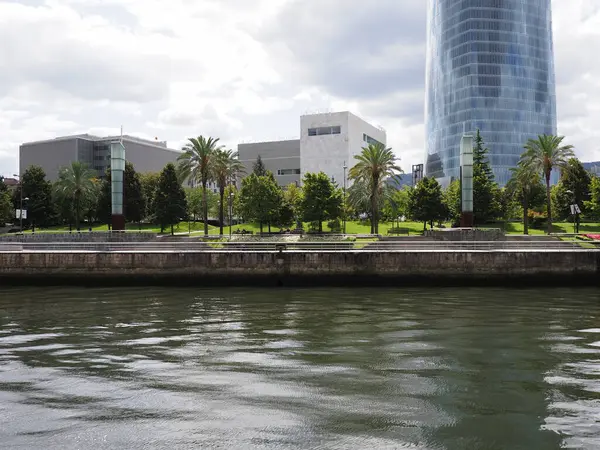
490,66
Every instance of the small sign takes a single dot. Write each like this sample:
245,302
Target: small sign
21,213
575,209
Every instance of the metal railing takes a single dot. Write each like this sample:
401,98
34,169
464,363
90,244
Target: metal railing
377,246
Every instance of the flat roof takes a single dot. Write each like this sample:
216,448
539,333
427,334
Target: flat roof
89,137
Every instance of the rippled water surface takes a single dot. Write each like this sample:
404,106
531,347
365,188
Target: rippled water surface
286,369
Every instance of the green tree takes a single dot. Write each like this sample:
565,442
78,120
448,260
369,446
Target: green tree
292,194
258,168
526,186
452,200
543,155
260,199
593,205
149,183
78,183
226,168
426,202
321,200
6,205
134,201
196,163
573,187
486,193
396,203
170,202
39,207
104,204
375,164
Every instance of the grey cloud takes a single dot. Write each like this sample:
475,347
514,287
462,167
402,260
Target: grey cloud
352,49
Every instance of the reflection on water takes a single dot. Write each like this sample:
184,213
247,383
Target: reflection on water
285,369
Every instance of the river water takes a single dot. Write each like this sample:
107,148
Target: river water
305,368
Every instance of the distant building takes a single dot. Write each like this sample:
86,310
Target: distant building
593,167
327,142
52,154
11,183
280,157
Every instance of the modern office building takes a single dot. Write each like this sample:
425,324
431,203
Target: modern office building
327,142
52,154
280,157
592,167
490,66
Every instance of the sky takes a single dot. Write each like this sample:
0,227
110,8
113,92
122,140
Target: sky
245,70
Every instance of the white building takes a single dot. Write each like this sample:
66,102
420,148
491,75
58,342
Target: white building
330,140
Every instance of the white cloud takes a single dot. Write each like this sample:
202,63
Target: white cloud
245,70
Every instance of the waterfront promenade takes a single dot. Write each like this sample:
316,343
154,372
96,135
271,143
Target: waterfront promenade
301,264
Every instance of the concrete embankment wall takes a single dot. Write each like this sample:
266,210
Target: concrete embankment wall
301,268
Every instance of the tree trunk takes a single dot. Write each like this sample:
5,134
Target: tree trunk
221,209
204,208
425,226
172,233
548,203
77,204
320,226
260,225
525,216
269,227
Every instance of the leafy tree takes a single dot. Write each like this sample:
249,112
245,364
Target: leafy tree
170,199
573,187
292,195
593,205
260,199
375,164
6,204
543,155
285,215
197,164
359,199
486,192
321,200
78,183
226,168
526,186
396,203
195,202
426,203
39,192
104,204
452,200
134,201
149,183
258,168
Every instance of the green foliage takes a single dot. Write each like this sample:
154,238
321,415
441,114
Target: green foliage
321,200
226,167
525,187
396,203
593,205
260,199
374,164
134,201
335,226
452,200
170,202
258,168
6,206
286,216
543,155
573,187
149,184
538,220
77,183
426,202
39,191
486,193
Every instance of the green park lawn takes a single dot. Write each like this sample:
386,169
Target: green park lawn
352,227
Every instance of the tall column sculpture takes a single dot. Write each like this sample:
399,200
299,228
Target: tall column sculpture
117,171
466,181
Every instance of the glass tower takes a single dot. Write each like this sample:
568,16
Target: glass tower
490,66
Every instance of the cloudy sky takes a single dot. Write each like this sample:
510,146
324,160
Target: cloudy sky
245,70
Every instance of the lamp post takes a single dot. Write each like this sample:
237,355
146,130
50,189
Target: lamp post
230,211
574,210
344,198
21,201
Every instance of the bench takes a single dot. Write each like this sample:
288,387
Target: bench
398,231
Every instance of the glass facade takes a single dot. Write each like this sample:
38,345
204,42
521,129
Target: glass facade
490,66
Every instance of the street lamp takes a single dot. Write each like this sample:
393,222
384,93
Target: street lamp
230,211
344,198
574,211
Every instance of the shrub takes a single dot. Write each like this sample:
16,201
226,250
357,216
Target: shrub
537,220
335,226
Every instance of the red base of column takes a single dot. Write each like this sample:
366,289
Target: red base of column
467,220
118,222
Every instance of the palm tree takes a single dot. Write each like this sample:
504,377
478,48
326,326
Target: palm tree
226,167
196,164
77,183
375,164
544,154
522,183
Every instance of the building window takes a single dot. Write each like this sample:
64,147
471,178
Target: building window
369,140
288,171
322,131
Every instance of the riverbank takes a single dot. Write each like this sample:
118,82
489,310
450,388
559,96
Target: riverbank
302,268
